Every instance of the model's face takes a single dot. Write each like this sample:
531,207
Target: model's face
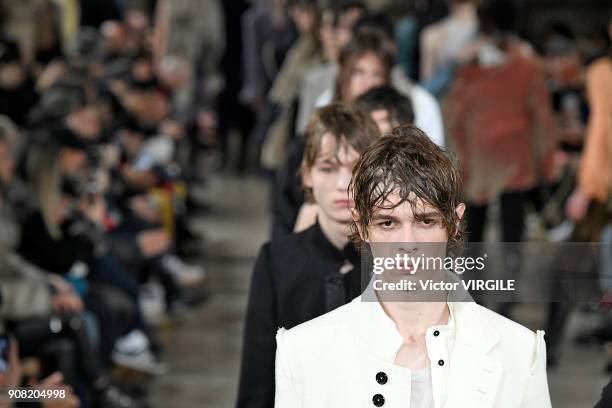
329,179
368,72
403,223
406,230
383,120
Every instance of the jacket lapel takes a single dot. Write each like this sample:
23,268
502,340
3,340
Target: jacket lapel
475,371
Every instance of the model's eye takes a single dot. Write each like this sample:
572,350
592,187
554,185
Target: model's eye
326,169
428,222
386,224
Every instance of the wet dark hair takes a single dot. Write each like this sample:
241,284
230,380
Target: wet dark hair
386,97
406,161
348,125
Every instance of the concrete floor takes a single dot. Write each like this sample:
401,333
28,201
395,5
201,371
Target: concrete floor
203,346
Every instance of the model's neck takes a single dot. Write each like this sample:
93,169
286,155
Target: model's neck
414,318
336,232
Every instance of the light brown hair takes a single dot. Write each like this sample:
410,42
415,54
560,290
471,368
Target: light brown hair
349,125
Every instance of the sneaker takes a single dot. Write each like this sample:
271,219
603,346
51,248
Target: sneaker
185,274
133,351
144,362
114,397
152,303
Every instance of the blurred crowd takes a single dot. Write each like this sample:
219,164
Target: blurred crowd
112,112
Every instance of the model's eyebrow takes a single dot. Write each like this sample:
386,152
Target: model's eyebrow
426,215
384,217
328,160
335,162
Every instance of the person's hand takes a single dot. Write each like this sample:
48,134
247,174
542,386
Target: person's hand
118,87
67,302
577,205
153,242
50,75
172,128
143,207
59,284
54,382
94,209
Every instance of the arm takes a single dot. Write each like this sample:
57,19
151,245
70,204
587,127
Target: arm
287,395
428,52
22,296
593,180
537,394
257,372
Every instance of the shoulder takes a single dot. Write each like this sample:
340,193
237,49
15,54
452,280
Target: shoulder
509,330
319,73
600,68
420,95
287,253
320,332
288,244
522,346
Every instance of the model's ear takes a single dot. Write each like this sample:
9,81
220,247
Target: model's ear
360,230
460,210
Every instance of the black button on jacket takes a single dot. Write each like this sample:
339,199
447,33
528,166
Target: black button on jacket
295,279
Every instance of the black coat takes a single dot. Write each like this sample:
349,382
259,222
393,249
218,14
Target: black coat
295,279
287,194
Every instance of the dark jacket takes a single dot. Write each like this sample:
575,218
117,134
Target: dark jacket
295,279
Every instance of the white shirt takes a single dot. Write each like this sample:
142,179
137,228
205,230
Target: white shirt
427,115
421,391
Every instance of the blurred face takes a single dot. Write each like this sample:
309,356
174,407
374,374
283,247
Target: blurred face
85,122
7,164
11,75
303,19
327,37
368,72
383,120
329,179
72,160
114,35
142,70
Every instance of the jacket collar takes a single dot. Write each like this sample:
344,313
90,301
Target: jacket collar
378,331
326,250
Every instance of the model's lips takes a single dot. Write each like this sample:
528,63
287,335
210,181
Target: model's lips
344,203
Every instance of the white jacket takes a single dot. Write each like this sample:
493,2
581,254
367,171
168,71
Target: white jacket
333,361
